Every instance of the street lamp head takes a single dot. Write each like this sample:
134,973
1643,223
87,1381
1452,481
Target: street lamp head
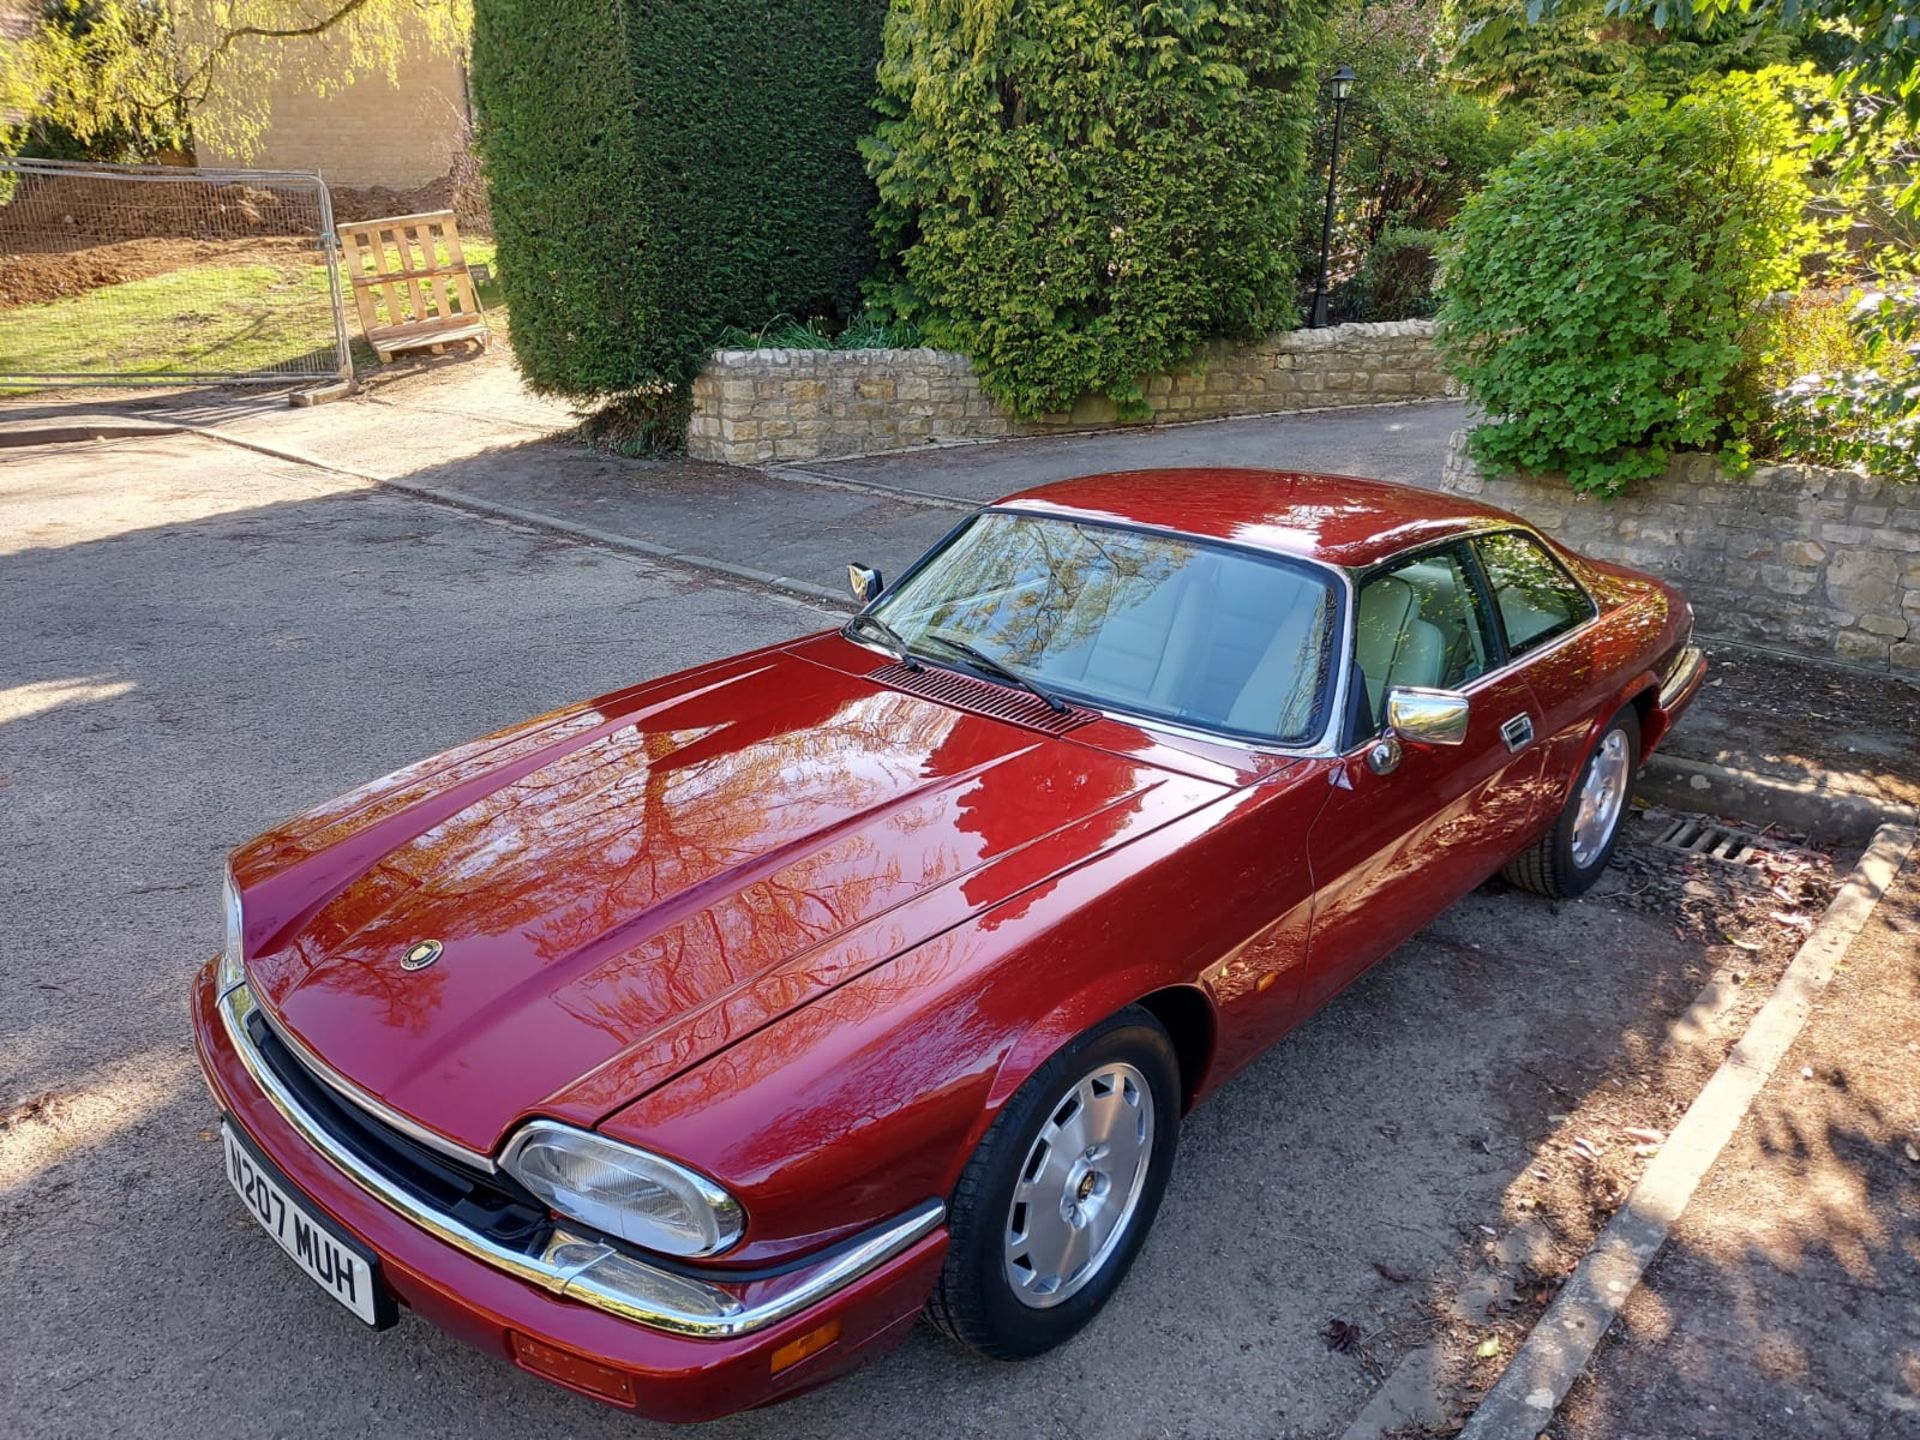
1342,82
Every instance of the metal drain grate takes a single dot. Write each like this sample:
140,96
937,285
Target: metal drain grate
1717,842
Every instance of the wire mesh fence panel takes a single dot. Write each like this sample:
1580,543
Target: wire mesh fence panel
121,274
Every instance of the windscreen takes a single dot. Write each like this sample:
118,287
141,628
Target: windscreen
1160,626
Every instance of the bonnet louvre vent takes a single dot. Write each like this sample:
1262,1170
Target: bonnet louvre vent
983,697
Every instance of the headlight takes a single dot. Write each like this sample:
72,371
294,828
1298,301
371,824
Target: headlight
231,972
621,1191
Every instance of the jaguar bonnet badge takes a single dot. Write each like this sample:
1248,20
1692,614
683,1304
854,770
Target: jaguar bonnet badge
421,954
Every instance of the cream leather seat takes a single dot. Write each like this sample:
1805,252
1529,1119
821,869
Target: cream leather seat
1394,645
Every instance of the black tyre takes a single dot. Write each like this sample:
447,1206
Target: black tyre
1057,1200
1570,857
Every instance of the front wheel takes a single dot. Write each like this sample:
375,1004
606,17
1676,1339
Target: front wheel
1056,1202
1570,857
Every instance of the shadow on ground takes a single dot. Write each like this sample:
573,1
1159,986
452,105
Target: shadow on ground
1784,1303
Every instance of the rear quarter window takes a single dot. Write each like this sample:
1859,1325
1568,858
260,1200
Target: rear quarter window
1536,598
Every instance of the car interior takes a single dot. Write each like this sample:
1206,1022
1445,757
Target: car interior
1203,645
1420,624
1226,641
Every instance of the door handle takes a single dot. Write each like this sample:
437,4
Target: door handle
1518,732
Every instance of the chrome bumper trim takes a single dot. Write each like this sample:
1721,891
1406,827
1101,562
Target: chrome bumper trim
583,1267
1686,669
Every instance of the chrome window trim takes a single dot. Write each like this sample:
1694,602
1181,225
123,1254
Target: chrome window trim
1510,661
361,1100
1322,746
628,1288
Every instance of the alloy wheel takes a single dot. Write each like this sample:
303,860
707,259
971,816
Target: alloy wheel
1080,1185
1603,796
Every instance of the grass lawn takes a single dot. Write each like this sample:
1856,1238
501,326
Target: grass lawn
269,315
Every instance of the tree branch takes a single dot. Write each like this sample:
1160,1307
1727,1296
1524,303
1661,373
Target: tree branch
267,32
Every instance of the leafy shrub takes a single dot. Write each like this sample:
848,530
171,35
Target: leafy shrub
1582,59
1865,417
659,171
864,331
1079,193
1599,294
1813,332
1396,280
1412,147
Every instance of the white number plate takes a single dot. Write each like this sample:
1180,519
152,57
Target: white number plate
346,1276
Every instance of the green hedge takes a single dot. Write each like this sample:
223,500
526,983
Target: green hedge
659,171
1601,298
1079,193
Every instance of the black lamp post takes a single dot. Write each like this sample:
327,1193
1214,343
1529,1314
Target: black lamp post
1342,82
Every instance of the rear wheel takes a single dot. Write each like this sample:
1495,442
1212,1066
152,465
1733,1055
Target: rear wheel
1056,1202
1570,857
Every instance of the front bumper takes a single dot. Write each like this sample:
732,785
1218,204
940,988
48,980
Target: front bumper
694,1350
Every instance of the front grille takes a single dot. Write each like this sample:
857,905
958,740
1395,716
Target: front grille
494,1205
983,697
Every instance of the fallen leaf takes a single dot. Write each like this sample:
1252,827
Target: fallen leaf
1400,1277
1341,1335
1913,1154
1488,1347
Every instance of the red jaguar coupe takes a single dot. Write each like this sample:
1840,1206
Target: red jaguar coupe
684,1046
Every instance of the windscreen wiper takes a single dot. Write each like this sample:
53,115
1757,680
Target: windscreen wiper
999,668
888,636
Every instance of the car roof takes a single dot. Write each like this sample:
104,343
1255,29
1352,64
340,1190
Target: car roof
1338,519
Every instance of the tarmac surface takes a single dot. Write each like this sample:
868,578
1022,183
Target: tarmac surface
202,639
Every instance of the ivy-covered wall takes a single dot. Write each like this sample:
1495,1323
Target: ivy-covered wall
660,170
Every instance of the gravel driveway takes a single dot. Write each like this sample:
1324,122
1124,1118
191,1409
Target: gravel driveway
198,642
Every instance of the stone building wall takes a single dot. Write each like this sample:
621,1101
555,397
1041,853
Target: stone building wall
751,407
1824,562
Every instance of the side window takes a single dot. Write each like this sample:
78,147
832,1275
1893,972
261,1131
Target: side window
1536,597
1421,622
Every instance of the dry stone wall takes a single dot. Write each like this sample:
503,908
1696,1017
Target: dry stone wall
1823,562
753,407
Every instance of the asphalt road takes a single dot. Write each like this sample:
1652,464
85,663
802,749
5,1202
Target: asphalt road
197,642
805,522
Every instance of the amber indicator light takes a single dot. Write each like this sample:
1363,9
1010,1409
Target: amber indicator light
811,1343
575,1371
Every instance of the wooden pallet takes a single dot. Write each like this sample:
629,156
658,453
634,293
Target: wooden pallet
410,283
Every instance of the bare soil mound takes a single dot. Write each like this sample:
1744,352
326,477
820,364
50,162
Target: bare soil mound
34,278
49,214
466,198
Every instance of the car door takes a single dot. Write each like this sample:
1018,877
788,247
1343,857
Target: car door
1394,847
1542,609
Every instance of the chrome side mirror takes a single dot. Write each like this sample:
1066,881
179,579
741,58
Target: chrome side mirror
1429,717
865,582
1418,716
